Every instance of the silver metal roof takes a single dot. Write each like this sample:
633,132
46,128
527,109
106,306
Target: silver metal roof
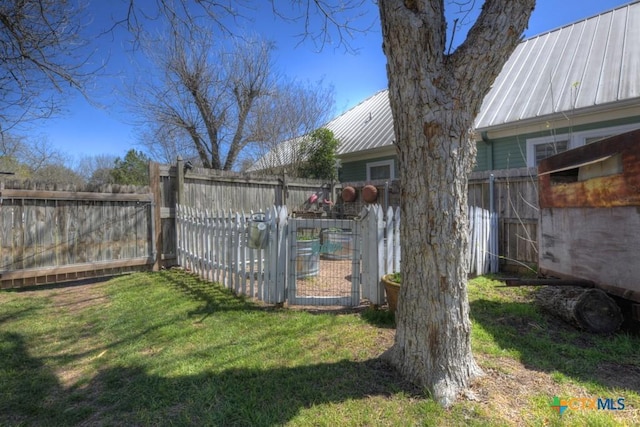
366,126
590,63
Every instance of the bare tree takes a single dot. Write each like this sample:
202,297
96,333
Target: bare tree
207,94
224,101
57,174
165,143
42,55
35,159
96,170
11,148
283,119
39,153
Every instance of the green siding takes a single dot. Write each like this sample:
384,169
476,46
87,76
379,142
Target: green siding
511,152
483,159
504,153
357,171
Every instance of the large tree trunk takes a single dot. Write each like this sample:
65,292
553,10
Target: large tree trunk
434,99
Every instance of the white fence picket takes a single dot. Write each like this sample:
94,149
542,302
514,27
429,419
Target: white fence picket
215,246
396,240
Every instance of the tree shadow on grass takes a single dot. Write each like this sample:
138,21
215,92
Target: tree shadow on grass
214,297
548,344
31,394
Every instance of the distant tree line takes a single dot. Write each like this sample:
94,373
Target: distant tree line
36,160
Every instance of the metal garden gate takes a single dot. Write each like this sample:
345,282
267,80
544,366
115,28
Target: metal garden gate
324,262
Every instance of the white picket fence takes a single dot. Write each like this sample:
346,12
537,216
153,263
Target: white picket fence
483,242
216,247
380,249
381,245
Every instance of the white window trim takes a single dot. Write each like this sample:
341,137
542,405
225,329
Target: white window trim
389,163
581,137
575,139
531,146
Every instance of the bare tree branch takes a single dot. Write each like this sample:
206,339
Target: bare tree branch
339,22
42,55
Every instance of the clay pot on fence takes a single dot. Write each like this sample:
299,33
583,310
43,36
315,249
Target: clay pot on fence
369,193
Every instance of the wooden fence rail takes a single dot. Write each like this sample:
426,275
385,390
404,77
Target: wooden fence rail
53,236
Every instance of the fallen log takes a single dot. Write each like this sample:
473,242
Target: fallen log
548,282
587,308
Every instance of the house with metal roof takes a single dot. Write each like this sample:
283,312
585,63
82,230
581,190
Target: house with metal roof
558,90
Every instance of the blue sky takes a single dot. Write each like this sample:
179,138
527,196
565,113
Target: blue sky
86,130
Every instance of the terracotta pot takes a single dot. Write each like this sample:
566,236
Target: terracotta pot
349,194
392,289
369,193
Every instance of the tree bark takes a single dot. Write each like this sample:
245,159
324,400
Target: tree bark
434,99
587,308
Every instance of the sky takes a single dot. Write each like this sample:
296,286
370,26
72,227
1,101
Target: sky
104,126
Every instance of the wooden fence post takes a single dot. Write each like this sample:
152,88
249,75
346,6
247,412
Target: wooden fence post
180,178
156,206
271,261
373,255
281,269
396,241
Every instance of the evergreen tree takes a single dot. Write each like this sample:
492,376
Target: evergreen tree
132,170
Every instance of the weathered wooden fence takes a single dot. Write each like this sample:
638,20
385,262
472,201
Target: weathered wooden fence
512,194
221,191
216,247
48,236
51,236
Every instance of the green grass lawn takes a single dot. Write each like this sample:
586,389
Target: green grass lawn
168,349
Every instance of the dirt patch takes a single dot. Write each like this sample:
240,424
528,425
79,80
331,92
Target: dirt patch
327,278
616,375
506,390
71,297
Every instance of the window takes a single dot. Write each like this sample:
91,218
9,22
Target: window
541,148
591,136
380,170
547,149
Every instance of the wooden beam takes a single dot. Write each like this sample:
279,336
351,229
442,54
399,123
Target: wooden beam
75,196
74,268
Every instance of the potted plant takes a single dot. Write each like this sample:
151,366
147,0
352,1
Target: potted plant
392,288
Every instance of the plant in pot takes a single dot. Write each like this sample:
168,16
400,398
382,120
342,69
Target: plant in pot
392,283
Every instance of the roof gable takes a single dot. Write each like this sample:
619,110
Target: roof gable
590,63
585,64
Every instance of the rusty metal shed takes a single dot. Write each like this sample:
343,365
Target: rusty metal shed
590,215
